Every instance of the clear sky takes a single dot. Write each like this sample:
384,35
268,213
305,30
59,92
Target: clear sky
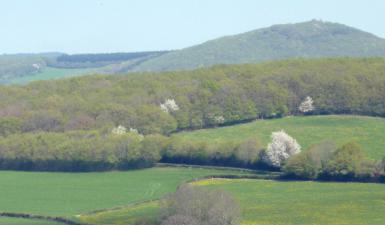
75,26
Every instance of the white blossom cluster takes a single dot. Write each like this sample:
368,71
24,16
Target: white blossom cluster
119,130
219,119
169,106
281,148
306,105
133,130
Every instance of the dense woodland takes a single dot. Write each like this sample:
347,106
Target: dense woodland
66,111
99,60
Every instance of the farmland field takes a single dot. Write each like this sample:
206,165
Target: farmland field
69,194
369,132
49,73
266,202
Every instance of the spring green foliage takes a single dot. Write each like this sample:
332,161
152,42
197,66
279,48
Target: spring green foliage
349,161
237,93
69,194
79,151
309,39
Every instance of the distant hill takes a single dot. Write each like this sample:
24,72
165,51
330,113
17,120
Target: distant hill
309,40
312,39
22,68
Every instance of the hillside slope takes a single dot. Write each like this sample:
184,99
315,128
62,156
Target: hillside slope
308,130
309,39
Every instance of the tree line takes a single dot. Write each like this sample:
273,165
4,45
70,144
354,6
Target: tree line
222,95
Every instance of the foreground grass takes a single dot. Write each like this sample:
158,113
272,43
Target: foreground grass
289,203
265,202
367,131
69,194
16,221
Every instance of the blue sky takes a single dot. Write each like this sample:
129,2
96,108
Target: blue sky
75,26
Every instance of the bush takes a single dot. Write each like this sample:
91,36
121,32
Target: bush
195,205
218,153
349,162
302,166
9,125
249,151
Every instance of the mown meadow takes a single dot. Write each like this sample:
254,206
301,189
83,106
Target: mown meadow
307,130
266,202
70,194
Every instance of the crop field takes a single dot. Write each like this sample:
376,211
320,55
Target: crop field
369,132
265,202
70,194
49,73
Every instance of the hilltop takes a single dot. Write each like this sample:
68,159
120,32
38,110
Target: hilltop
311,39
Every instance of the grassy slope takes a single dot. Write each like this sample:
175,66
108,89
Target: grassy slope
281,203
289,203
367,131
69,194
49,73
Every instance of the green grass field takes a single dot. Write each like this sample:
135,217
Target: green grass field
265,202
70,194
296,203
49,73
16,221
369,132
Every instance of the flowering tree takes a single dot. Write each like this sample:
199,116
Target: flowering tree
119,130
281,148
219,119
169,106
306,105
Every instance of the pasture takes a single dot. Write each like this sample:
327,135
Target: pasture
70,194
369,132
265,202
49,73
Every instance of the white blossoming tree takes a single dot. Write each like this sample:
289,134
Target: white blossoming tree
119,130
169,106
281,148
307,105
219,119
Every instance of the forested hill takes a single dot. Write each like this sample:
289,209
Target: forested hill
308,40
195,99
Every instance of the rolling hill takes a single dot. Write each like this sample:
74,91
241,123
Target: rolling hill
311,39
308,130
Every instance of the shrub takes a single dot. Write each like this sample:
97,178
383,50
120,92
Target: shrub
249,151
302,166
194,205
9,125
348,162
